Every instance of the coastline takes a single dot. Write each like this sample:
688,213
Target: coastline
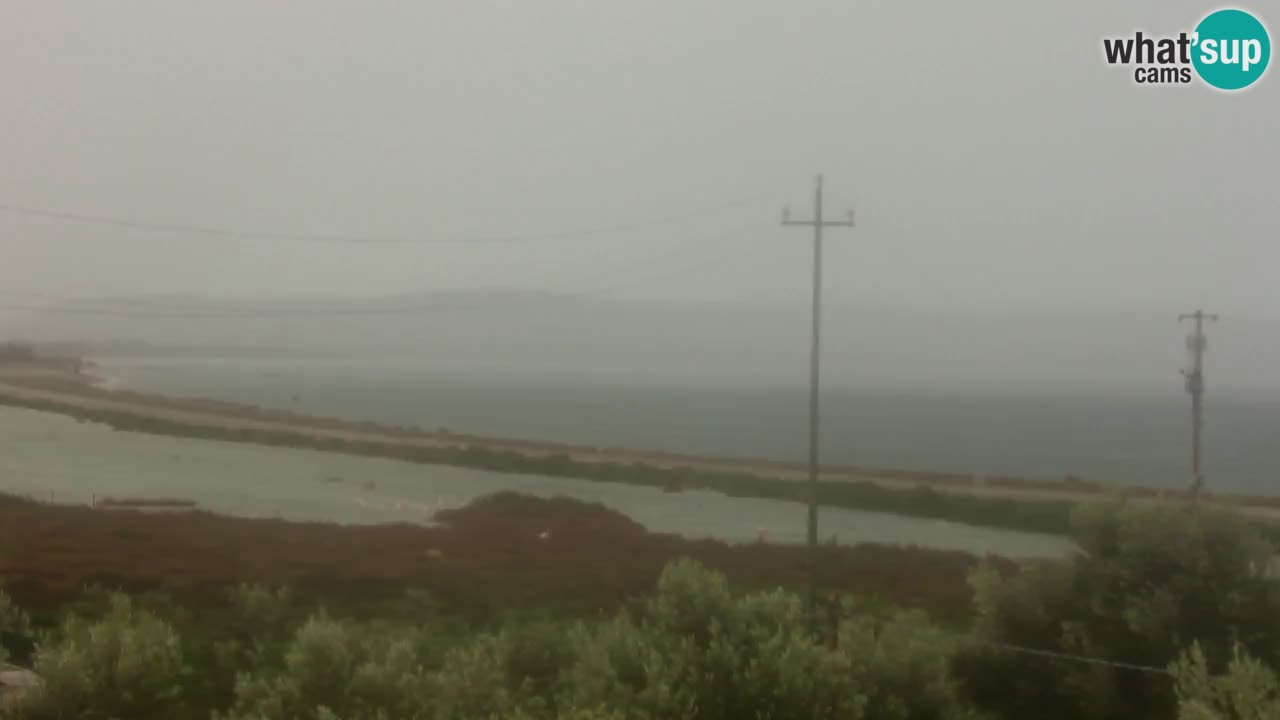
98,381
1012,503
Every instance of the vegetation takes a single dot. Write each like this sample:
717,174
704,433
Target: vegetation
692,650
1248,690
1164,612
126,664
1048,516
1147,584
486,559
14,624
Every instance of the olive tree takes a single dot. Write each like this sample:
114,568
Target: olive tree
696,651
1248,690
1145,582
126,664
331,668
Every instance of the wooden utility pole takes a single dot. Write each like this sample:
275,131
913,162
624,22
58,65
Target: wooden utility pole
1196,343
817,222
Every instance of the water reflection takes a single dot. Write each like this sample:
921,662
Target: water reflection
53,457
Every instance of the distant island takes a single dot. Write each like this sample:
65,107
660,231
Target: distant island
143,348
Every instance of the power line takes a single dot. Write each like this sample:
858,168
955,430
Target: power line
223,232
153,226
1038,652
634,225
680,269
1067,657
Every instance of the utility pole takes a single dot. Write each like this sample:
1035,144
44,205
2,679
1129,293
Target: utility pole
1196,343
817,222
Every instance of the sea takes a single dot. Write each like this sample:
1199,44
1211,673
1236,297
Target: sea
1131,438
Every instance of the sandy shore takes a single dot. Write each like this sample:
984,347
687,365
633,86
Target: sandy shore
87,396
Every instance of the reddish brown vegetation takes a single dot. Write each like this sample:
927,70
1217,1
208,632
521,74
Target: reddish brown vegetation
126,503
488,558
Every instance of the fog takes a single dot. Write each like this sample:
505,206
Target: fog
1026,215
708,343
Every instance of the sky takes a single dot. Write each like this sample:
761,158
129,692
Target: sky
630,149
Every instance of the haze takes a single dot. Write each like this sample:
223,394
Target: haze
641,152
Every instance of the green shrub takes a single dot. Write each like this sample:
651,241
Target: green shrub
902,667
690,601
1147,582
691,651
334,669
534,654
697,652
12,620
12,617
260,611
1247,691
472,683
128,664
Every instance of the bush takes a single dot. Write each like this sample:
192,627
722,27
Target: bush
334,669
691,651
12,618
691,601
472,682
128,664
902,666
696,652
1248,691
13,622
261,621
534,654
1147,582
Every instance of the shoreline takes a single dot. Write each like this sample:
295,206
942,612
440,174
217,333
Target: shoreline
1006,502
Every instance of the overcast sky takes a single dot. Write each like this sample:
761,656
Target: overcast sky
993,158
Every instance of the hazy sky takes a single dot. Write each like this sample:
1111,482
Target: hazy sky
992,156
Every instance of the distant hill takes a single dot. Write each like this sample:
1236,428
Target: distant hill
521,330
142,348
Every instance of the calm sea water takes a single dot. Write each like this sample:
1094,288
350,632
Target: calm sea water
56,458
1138,438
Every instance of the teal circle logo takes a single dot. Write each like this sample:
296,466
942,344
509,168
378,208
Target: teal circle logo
1231,49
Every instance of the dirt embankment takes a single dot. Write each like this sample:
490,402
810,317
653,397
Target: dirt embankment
503,552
